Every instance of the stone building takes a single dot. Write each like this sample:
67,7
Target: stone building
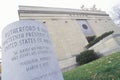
69,29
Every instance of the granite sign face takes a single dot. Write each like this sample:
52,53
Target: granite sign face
28,53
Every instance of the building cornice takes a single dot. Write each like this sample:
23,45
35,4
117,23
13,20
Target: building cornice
50,10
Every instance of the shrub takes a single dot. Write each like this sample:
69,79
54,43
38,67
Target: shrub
91,38
99,38
86,56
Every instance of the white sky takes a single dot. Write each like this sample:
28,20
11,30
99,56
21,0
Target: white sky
8,8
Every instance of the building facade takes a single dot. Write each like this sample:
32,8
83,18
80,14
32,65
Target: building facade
69,29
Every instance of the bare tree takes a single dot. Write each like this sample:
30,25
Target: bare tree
116,14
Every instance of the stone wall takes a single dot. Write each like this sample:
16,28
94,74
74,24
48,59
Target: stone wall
108,45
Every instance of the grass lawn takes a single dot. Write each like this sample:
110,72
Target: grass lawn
105,68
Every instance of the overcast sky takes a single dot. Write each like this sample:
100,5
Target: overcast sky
8,8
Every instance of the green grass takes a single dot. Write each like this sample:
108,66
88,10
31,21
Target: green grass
105,68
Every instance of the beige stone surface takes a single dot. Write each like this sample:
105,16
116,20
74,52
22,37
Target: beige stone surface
67,62
107,46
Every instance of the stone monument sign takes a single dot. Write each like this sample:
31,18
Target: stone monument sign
28,53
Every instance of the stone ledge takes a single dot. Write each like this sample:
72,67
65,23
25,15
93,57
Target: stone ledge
67,63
